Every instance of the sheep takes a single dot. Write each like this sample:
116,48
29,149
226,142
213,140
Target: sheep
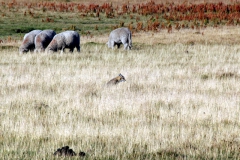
66,39
28,41
120,36
43,39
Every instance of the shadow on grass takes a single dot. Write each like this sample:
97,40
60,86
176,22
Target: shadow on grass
140,155
221,76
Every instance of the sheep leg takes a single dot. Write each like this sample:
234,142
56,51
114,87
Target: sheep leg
78,48
126,46
71,50
118,45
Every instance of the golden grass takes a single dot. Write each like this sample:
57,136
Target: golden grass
180,100
210,35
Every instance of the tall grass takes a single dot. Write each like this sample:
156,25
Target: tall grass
179,101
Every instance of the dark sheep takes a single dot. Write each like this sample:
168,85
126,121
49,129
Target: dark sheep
43,39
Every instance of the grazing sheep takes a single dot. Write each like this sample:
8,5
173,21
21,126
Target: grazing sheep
66,39
28,41
120,36
43,39
116,80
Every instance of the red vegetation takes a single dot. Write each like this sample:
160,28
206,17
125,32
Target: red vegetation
162,16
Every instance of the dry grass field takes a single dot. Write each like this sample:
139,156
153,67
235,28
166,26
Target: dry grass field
180,99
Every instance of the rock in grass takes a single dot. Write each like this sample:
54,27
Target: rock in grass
64,151
82,154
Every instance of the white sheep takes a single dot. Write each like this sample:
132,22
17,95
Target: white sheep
120,36
28,41
66,39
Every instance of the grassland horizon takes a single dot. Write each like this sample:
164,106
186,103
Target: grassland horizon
180,99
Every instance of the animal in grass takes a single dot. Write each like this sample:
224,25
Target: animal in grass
116,80
43,39
67,152
66,39
28,42
64,151
120,36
